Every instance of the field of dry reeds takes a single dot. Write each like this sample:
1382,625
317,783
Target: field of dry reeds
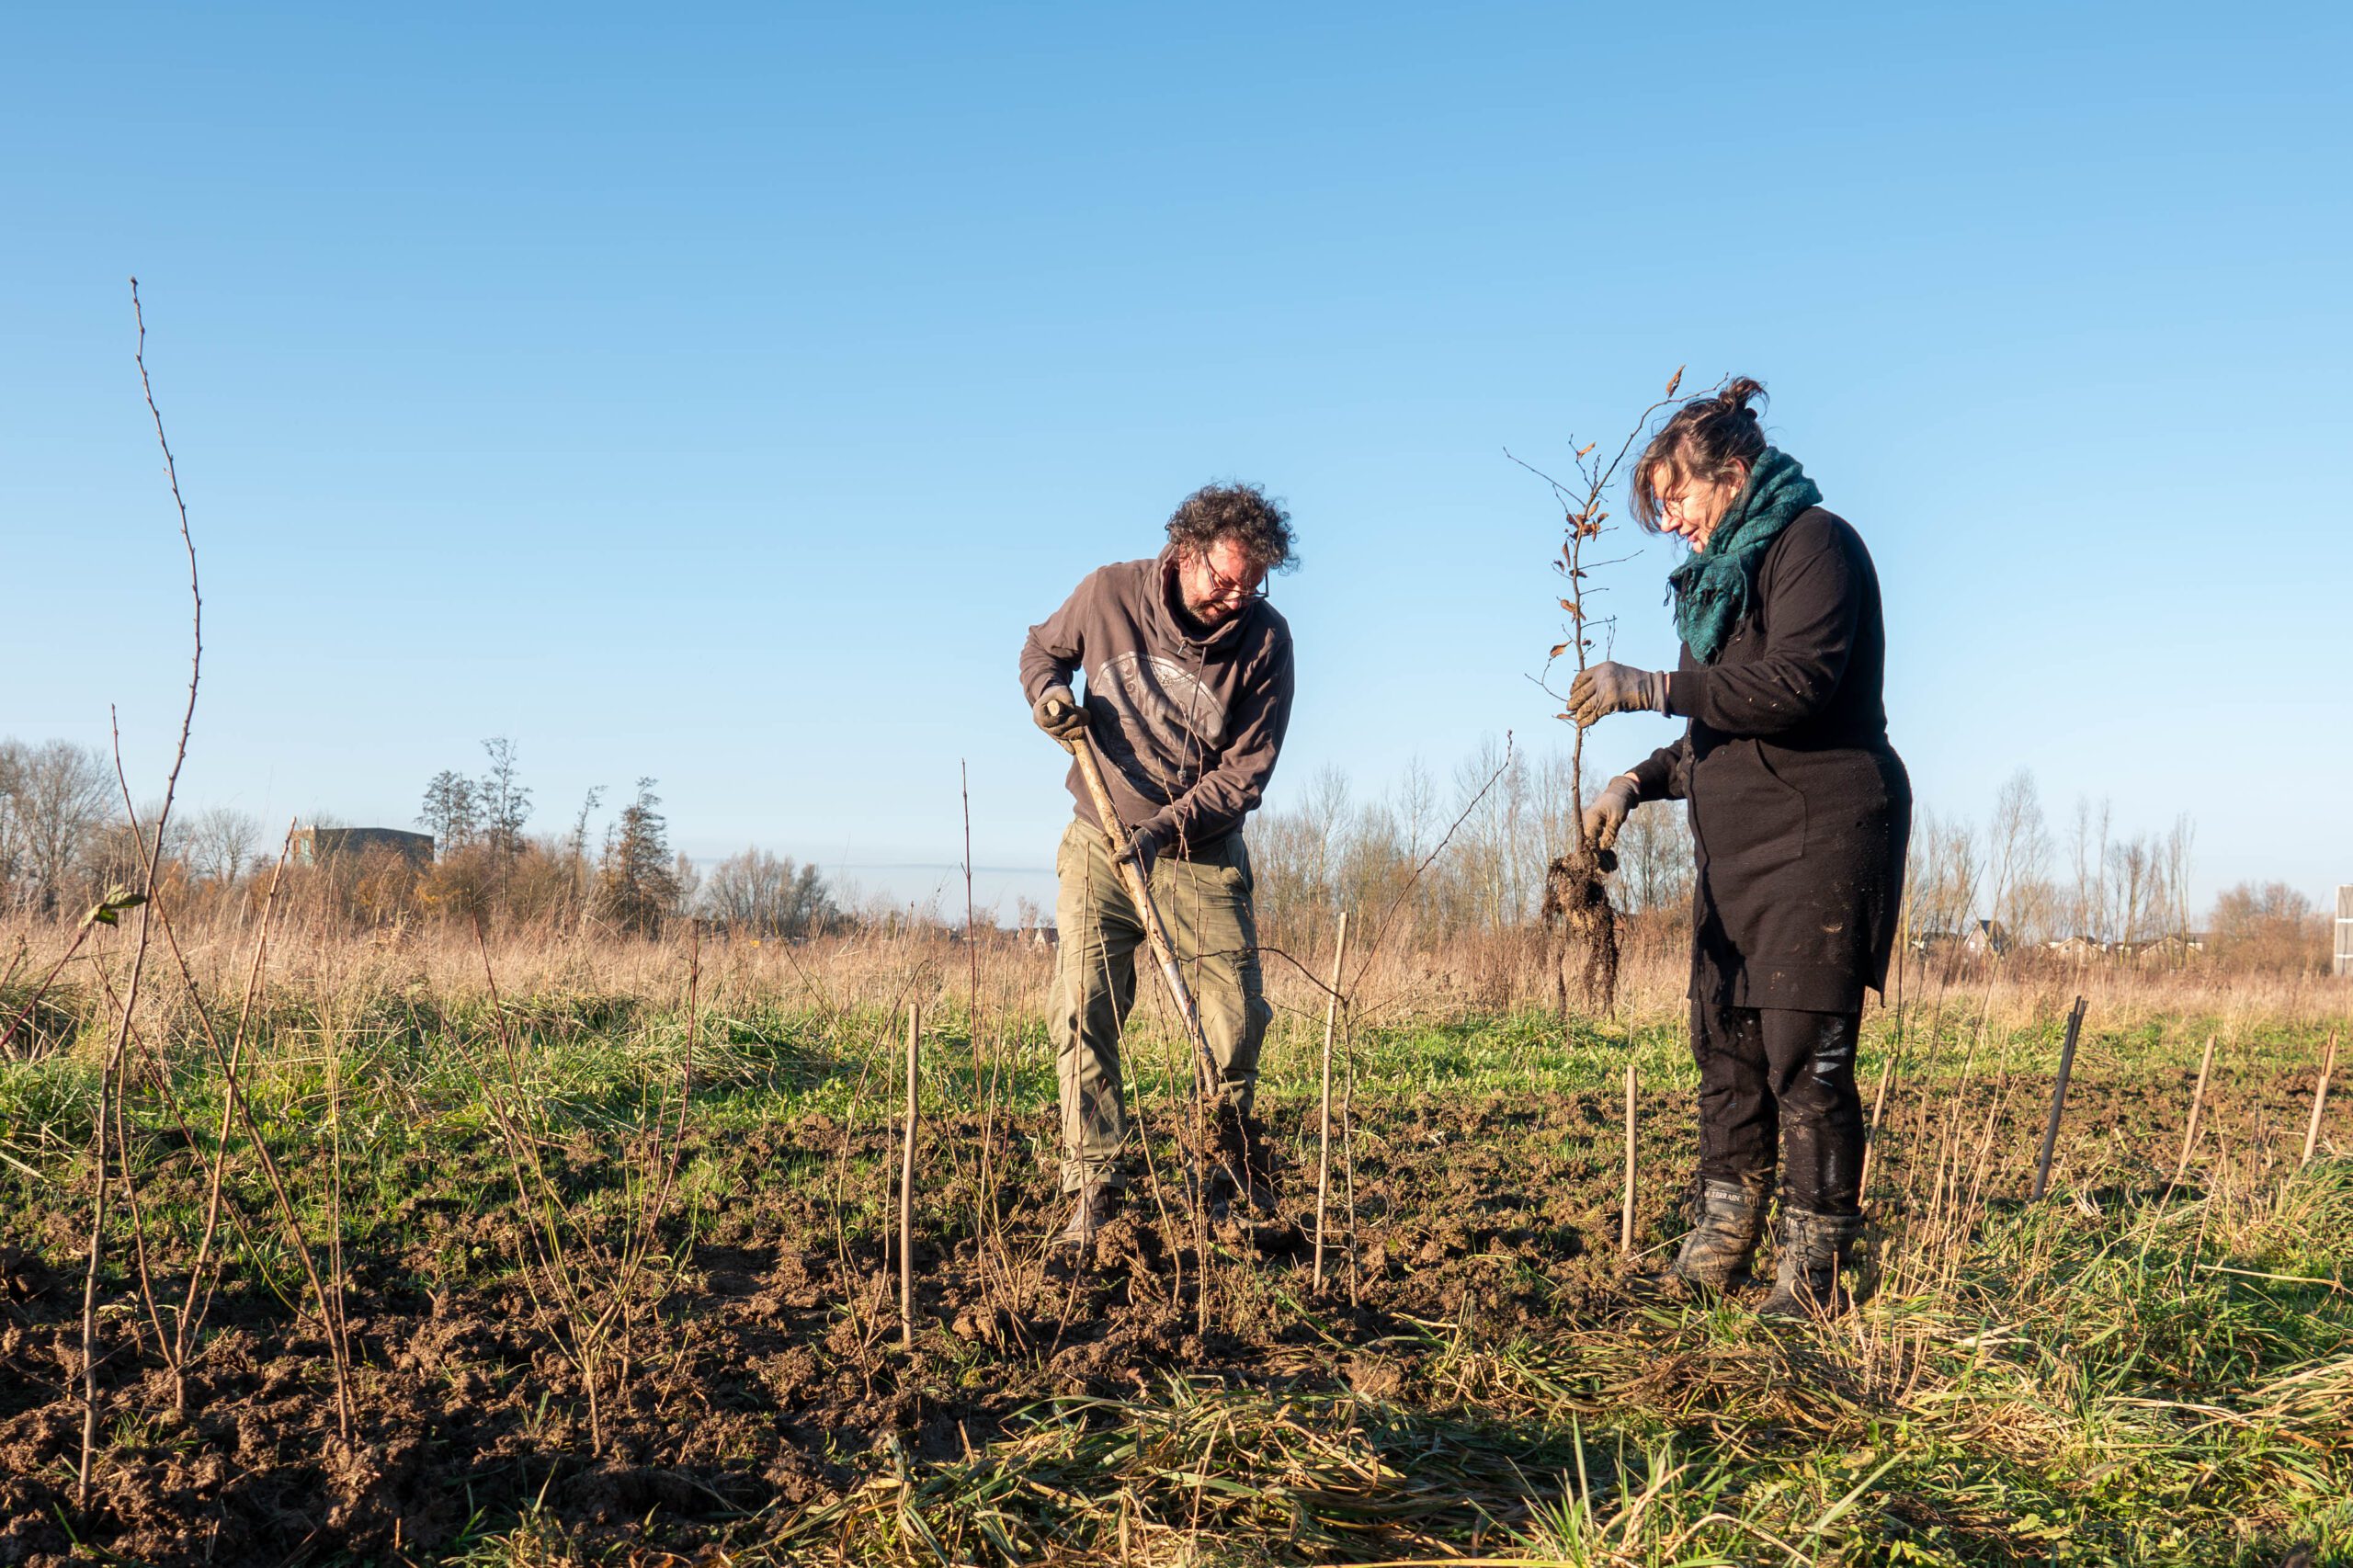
424,1247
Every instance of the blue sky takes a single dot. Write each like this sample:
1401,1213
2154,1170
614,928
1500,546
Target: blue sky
720,397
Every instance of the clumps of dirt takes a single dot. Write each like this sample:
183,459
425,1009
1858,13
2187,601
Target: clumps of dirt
771,1377
22,1275
1577,898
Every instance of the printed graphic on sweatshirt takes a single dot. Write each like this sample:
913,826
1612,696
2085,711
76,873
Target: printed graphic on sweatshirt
1171,726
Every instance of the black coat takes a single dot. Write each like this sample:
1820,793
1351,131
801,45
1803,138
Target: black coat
1800,809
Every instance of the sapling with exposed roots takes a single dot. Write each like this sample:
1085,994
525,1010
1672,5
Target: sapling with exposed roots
1575,895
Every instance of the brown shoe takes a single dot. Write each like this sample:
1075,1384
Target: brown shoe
1731,1221
1096,1203
1813,1246
1241,1167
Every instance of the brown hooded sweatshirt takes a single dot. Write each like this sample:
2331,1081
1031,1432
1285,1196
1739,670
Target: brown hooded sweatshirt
1188,720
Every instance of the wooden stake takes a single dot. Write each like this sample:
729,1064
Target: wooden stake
1349,1159
1323,1134
907,1189
1626,1215
2197,1104
2058,1100
2320,1099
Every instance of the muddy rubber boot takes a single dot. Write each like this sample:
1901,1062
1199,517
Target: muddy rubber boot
1805,1284
1731,1221
1096,1203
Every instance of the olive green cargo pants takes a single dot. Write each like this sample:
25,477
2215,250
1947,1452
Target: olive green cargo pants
1205,902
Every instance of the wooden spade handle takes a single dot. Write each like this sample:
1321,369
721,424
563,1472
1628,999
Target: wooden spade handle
1082,747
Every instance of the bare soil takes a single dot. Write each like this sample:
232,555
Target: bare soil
769,1373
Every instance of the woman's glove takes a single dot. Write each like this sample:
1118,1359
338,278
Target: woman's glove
1609,810
1608,689
1059,714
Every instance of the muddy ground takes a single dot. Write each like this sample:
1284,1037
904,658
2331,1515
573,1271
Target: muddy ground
768,1375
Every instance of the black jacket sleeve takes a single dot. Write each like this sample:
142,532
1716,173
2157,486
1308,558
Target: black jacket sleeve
1813,596
1659,777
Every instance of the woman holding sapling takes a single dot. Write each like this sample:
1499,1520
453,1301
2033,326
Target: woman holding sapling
1799,810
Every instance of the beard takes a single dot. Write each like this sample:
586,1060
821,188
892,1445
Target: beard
1208,612
1205,612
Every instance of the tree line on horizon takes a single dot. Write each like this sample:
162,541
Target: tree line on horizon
1442,861
66,839
2009,880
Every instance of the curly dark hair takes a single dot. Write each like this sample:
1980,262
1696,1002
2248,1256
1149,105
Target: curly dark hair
1240,512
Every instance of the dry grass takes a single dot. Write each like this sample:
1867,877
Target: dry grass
2127,1373
320,962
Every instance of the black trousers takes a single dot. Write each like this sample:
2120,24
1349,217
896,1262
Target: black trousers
1777,1080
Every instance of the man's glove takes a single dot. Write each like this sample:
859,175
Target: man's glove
1608,689
1059,714
1145,844
1609,810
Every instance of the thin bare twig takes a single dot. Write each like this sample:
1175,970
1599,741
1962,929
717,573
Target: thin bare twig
110,1085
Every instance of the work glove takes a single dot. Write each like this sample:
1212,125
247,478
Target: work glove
1609,810
1059,714
1145,844
1609,688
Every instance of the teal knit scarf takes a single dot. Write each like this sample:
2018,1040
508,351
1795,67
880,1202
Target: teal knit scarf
1713,587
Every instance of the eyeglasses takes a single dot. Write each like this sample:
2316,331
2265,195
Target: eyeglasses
1226,587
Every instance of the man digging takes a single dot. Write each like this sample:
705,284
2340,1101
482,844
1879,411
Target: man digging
1188,692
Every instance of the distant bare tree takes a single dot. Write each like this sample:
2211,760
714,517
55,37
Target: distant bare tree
1375,865
1298,856
1487,847
1285,854
2089,905
1417,809
1334,852
1941,875
2018,852
1554,807
222,843
2270,927
2179,838
13,845
1655,867
766,896
1326,811
2137,873
2148,878
59,802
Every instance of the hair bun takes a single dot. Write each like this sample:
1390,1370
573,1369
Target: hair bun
1737,393
1714,436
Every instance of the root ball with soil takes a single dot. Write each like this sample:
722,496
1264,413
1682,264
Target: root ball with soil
1577,899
